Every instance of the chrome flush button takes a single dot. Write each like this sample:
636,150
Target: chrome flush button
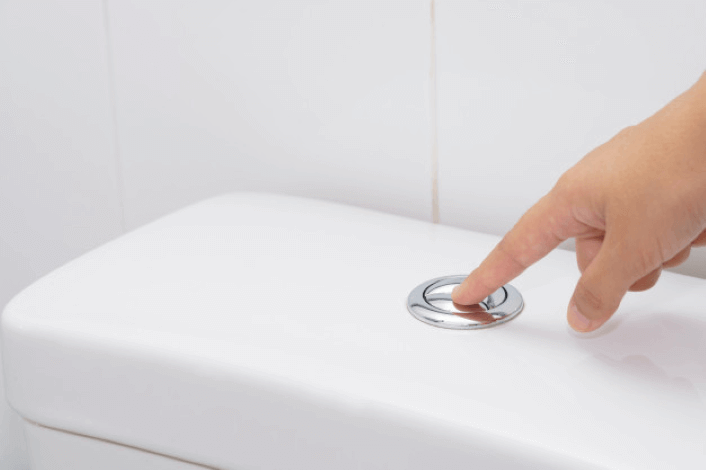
431,303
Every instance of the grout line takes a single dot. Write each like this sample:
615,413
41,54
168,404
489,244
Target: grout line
114,113
434,130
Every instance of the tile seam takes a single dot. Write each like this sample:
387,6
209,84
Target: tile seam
117,156
433,119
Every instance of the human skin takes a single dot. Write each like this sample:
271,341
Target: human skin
635,205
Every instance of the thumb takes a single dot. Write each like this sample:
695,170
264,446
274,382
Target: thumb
602,286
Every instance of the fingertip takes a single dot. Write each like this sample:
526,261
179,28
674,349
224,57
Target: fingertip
455,293
646,282
470,291
578,321
461,294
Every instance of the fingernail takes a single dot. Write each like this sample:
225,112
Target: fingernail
454,290
577,321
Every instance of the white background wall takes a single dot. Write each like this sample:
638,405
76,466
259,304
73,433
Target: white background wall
114,113
58,182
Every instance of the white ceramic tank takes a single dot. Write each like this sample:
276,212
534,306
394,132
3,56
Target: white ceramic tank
271,332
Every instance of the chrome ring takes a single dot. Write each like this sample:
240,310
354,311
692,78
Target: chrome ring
499,307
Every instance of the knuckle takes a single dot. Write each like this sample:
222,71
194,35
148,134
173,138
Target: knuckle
646,282
700,240
649,259
565,183
626,132
571,187
678,259
651,281
628,129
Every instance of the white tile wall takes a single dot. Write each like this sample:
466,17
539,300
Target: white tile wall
323,99
58,186
525,89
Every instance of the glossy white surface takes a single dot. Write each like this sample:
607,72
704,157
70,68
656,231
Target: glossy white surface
50,449
257,322
323,99
525,89
58,186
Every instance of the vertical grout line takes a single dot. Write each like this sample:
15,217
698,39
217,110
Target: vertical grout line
114,113
434,130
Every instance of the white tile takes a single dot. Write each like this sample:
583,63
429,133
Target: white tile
322,99
58,187
527,88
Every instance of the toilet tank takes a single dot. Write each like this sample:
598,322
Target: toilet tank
259,331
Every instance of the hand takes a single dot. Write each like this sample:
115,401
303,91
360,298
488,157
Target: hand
635,204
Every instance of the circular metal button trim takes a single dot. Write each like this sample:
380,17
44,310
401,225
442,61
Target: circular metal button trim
431,303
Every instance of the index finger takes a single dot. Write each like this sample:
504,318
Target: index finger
539,231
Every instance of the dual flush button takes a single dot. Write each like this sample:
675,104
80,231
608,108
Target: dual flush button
431,303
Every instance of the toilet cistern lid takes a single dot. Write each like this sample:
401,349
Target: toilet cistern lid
267,331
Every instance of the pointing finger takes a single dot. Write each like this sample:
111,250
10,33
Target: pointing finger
539,231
